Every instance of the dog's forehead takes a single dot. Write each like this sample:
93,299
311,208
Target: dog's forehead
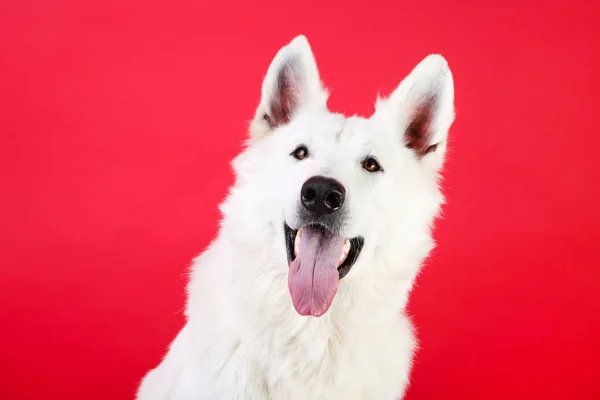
341,129
353,127
358,134
335,133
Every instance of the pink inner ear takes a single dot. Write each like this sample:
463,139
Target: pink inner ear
286,97
418,132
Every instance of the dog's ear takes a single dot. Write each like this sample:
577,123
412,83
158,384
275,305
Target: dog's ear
421,109
292,83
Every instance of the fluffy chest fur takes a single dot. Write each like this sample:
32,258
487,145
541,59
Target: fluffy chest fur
255,345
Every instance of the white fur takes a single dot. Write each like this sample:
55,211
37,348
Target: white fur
243,339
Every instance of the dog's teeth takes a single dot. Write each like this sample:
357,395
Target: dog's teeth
345,251
297,242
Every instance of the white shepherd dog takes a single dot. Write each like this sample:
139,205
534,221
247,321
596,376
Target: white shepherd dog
302,294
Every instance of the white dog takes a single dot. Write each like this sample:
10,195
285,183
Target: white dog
302,294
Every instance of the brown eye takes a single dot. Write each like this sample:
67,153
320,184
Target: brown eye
300,153
371,165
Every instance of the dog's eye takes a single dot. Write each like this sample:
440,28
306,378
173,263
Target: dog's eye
371,165
300,153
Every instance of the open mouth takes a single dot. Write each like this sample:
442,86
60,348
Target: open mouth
318,260
348,256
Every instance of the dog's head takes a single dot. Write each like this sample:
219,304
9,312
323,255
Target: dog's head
331,188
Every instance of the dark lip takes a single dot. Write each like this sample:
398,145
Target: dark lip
356,245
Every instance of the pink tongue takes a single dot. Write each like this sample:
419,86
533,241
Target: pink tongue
313,277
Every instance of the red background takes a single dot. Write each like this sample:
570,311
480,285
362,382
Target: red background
118,120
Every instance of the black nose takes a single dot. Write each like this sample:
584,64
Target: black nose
322,195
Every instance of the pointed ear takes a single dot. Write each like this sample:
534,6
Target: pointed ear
292,83
422,109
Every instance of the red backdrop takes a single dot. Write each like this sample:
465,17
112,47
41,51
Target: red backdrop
118,120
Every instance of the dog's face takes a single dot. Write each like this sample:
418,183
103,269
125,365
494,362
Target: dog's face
333,186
